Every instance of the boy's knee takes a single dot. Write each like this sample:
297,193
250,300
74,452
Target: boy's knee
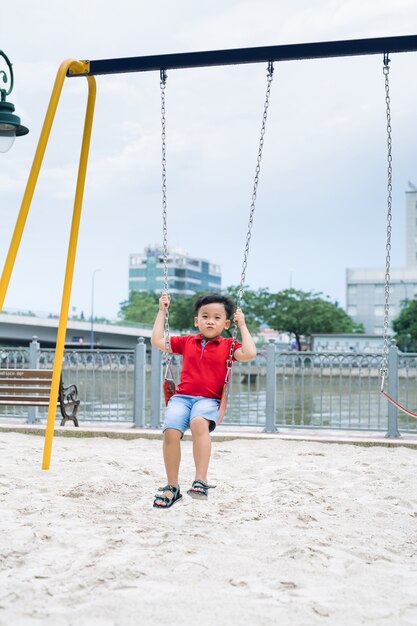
199,425
172,435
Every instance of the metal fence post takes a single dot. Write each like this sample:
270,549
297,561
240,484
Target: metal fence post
393,392
271,383
139,384
34,351
156,388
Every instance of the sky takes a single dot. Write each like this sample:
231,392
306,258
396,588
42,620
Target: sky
321,204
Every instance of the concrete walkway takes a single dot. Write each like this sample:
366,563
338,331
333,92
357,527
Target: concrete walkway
222,433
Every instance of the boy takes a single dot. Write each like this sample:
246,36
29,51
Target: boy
196,401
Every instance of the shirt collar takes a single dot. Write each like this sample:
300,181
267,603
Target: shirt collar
200,339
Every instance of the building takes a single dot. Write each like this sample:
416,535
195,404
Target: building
365,287
186,275
365,295
411,226
347,343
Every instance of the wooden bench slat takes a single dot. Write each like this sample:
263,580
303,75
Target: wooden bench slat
6,374
42,384
23,389
26,398
25,402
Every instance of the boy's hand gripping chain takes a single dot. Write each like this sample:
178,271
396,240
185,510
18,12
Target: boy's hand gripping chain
229,362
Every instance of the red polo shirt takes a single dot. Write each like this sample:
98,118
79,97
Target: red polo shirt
203,364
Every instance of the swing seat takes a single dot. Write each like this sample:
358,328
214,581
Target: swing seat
223,403
398,405
169,389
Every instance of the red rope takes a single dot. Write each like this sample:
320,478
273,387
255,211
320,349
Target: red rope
398,405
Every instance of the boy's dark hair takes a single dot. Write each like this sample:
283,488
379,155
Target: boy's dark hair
211,298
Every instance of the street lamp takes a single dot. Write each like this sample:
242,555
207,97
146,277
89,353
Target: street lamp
10,126
92,309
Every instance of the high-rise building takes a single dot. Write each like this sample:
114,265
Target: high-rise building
411,225
365,287
186,275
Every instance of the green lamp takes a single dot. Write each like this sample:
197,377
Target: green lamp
10,126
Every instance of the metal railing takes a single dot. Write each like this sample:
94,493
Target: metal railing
278,389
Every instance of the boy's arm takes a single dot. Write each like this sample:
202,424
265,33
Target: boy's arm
158,334
248,350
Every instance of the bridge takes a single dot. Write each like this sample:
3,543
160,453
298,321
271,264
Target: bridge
18,329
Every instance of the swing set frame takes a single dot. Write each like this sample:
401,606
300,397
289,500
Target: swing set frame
89,69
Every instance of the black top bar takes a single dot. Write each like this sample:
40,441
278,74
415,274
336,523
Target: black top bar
291,52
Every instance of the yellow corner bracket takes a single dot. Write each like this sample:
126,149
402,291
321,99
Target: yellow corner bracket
78,67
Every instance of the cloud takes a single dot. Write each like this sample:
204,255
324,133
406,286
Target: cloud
321,195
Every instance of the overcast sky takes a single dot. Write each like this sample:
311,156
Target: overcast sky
322,194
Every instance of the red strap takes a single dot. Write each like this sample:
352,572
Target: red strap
398,405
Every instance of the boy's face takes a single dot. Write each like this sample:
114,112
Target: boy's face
211,320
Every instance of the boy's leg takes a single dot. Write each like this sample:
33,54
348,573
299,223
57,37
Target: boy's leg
172,458
172,454
201,446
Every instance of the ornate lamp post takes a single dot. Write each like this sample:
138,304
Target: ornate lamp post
10,126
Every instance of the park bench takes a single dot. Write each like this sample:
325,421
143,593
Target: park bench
24,387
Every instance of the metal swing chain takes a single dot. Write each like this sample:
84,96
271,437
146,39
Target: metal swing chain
384,362
163,78
270,73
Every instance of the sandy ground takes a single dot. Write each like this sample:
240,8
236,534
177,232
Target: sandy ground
297,533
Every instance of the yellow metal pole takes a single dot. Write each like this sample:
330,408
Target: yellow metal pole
33,175
69,272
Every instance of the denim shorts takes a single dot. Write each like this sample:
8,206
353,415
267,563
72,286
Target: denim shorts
181,409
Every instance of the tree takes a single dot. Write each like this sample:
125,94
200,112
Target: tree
254,305
297,312
405,327
305,313
181,312
141,307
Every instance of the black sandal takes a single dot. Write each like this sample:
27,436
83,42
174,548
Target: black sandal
176,495
199,490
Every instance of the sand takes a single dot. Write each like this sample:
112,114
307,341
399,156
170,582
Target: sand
298,533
